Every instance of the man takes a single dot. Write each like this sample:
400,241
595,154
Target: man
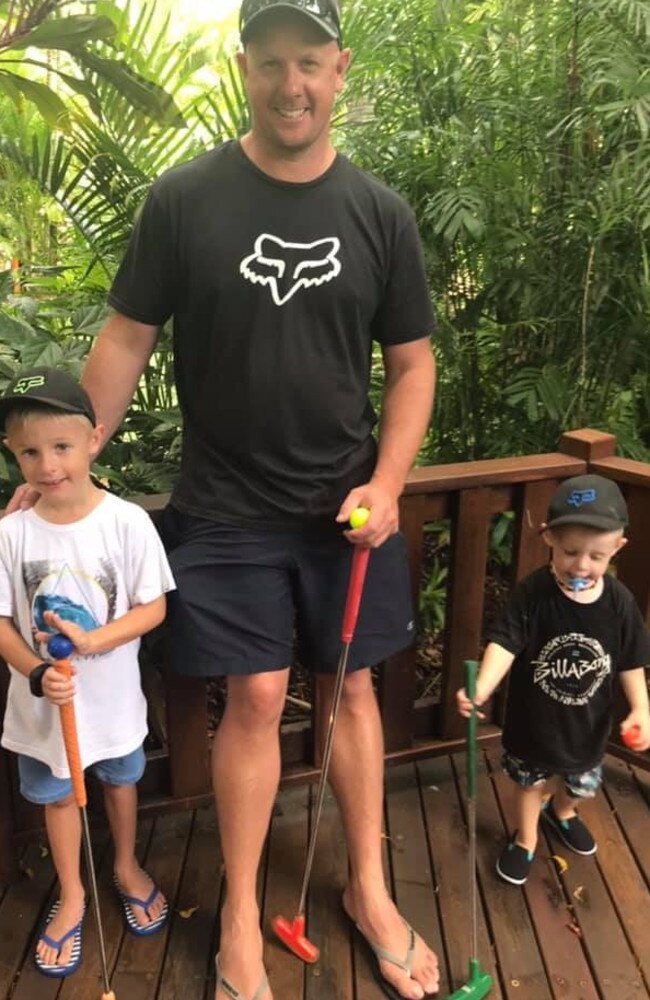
281,263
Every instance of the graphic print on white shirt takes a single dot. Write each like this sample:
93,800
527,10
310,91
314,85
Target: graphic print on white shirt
74,595
570,668
287,267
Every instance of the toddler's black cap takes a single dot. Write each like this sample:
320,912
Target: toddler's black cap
592,501
49,386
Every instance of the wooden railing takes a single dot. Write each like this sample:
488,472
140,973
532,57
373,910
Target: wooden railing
468,495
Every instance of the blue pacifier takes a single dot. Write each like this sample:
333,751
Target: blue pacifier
578,583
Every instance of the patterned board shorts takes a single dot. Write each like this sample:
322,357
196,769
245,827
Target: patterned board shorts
578,786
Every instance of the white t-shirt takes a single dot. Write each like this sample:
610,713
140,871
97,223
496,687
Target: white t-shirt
90,572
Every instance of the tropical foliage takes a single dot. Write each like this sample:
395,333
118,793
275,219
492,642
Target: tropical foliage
518,131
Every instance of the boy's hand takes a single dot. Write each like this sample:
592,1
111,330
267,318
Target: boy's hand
83,641
58,688
635,730
464,705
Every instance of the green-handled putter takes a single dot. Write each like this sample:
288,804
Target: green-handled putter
479,983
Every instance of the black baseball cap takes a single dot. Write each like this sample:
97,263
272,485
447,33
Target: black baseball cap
591,501
324,13
50,387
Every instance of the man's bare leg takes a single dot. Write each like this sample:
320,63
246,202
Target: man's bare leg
356,776
245,775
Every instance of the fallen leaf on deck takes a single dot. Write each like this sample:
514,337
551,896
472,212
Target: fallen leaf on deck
560,863
575,929
44,851
186,914
434,788
579,893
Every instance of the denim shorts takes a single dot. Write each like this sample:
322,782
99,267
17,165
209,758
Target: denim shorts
578,786
252,600
40,786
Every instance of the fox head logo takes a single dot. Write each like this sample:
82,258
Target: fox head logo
287,267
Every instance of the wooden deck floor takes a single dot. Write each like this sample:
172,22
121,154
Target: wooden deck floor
581,935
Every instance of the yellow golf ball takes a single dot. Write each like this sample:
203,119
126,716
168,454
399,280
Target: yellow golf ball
358,517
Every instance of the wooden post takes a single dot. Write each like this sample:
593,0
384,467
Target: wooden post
587,444
397,680
8,860
471,529
187,729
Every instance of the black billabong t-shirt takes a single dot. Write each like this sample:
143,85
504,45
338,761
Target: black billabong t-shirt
561,686
277,291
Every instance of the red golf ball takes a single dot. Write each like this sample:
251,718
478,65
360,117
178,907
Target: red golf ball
630,736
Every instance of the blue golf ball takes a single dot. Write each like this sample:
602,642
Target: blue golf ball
59,647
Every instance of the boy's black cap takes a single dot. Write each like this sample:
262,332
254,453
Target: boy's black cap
591,501
48,386
324,13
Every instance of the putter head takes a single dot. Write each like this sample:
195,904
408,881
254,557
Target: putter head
477,986
292,935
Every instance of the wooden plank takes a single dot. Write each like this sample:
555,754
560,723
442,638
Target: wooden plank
328,926
286,856
624,789
566,965
140,960
520,962
23,907
447,834
455,476
470,532
413,881
607,949
627,889
191,948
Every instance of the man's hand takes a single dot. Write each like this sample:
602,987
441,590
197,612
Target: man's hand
24,497
384,514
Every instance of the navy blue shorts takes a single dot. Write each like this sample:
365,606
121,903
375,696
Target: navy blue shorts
249,601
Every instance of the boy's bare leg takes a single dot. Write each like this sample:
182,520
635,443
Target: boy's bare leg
356,776
245,774
529,804
564,805
64,834
121,804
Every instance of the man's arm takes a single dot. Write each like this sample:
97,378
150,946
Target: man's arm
405,413
116,362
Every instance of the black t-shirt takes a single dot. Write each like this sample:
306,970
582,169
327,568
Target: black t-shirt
277,291
561,686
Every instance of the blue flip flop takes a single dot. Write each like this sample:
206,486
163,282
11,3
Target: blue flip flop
128,902
60,971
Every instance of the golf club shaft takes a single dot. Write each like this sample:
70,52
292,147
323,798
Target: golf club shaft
71,742
353,600
470,686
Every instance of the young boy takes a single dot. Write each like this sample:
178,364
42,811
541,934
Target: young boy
569,628
90,566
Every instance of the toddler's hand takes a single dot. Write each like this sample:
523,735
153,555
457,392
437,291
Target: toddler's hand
635,731
57,687
464,705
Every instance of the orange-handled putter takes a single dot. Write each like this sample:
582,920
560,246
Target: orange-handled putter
292,932
59,647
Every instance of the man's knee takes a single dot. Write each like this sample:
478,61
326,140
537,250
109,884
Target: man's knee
256,701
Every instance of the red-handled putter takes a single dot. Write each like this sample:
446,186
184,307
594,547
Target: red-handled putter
59,647
292,932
